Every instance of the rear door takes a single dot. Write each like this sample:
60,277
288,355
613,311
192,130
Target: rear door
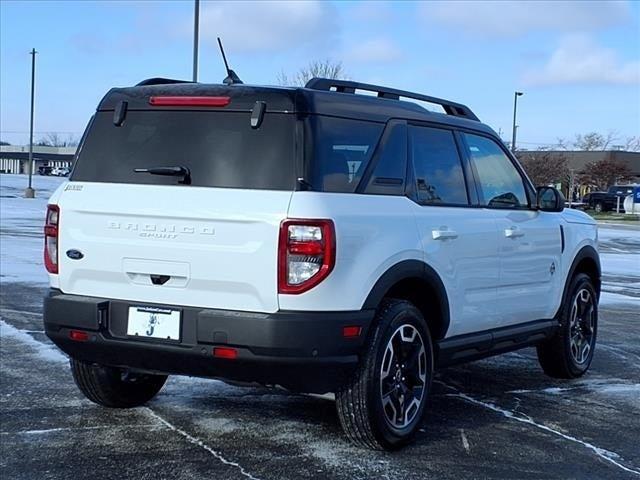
460,241
154,239
529,241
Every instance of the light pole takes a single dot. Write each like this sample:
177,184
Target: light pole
196,27
29,191
515,107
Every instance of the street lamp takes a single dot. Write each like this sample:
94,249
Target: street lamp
29,192
515,107
196,27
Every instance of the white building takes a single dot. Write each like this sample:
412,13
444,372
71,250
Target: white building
14,158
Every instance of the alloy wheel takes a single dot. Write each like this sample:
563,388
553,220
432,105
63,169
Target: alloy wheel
403,376
582,326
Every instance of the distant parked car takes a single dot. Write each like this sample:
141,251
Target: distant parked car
606,201
60,171
45,170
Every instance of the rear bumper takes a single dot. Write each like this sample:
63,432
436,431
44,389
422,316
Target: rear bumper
301,351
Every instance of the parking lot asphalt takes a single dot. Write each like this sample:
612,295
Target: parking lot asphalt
495,418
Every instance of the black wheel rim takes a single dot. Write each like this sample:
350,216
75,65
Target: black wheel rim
127,376
582,326
403,376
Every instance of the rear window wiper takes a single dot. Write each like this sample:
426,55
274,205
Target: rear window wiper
174,171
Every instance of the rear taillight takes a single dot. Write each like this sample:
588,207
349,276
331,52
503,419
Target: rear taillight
51,224
306,254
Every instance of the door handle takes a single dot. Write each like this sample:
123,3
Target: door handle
513,232
443,234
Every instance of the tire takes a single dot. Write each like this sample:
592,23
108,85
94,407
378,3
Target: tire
569,353
599,208
114,387
372,406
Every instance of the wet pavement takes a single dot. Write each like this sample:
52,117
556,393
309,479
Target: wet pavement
495,418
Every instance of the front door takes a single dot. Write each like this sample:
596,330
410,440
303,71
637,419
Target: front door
529,241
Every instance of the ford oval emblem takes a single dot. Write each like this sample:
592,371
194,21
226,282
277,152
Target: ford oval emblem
75,254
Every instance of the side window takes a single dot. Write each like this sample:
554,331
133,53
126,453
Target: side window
437,167
391,168
499,182
339,150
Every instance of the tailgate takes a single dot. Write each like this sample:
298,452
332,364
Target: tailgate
192,246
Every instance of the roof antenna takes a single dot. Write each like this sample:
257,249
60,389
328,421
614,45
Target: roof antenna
232,78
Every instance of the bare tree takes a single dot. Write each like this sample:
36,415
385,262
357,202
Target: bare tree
606,172
545,168
53,139
594,141
562,144
632,144
316,68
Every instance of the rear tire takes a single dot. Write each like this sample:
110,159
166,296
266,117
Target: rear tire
383,404
115,387
598,207
569,353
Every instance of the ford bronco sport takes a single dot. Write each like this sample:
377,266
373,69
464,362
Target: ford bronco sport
334,238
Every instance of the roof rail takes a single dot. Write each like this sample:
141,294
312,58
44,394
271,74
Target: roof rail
347,86
160,81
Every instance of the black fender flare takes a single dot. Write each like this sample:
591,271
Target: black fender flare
586,252
408,269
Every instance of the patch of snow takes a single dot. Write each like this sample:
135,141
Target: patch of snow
621,264
44,350
21,227
609,298
593,386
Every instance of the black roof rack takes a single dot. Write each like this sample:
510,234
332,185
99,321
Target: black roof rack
160,81
347,86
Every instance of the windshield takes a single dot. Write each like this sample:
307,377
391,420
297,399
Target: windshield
220,149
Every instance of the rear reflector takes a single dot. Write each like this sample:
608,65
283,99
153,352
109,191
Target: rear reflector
225,352
190,101
351,331
78,335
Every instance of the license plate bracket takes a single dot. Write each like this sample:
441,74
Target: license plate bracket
154,323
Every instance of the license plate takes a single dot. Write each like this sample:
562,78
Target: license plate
152,322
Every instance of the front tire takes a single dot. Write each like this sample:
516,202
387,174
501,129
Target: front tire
383,405
569,353
115,387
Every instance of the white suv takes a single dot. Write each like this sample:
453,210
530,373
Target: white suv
314,238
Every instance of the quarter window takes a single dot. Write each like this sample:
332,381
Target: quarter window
499,183
438,170
339,150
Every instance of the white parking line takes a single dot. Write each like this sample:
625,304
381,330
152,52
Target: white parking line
601,452
199,443
20,312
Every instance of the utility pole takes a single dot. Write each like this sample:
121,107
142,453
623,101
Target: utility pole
515,107
196,28
29,191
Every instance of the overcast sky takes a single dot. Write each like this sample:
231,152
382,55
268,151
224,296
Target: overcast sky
577,62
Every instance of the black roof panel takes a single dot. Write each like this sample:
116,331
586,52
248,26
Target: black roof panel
287,100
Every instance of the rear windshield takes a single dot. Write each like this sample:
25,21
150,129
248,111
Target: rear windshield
219,148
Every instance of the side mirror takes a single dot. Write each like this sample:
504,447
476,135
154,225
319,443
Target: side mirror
550,200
